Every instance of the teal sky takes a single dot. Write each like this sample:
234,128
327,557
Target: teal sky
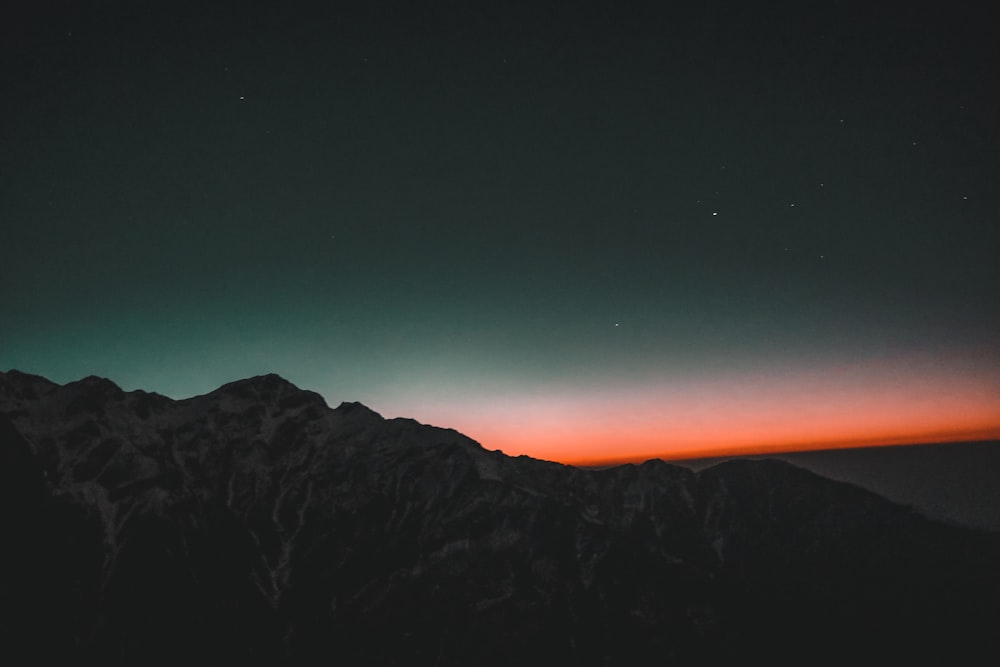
411,206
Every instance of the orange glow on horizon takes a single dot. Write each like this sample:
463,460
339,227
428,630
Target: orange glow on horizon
716,450
734,432
865,405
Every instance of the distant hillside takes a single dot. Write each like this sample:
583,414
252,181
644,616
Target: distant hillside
953,482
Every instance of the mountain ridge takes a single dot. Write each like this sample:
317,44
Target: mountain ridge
296,531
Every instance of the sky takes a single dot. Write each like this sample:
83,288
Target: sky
587,232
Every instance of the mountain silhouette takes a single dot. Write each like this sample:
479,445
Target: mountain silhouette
255,524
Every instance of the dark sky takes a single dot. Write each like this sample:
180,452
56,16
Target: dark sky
584,231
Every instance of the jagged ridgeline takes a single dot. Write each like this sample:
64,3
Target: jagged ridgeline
257,525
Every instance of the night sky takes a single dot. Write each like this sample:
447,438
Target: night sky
582,231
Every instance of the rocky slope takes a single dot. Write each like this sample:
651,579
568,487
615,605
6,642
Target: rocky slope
256,524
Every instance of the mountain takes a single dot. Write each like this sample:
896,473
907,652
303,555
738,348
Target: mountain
255,524
950,481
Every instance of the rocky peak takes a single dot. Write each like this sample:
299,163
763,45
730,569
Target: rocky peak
17,385
357,410
270,389
95,384
260,385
